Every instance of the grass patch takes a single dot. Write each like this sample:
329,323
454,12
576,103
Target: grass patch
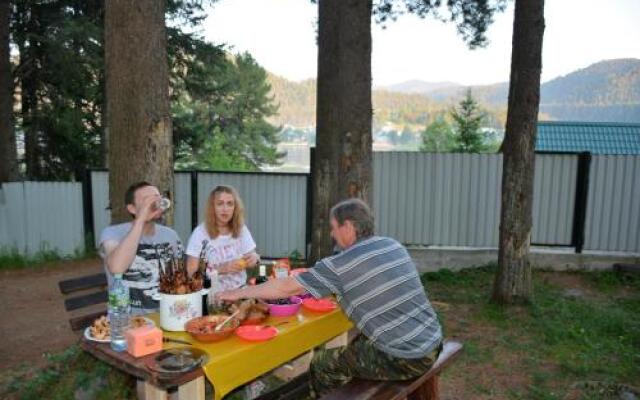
542,349
12,259
68,372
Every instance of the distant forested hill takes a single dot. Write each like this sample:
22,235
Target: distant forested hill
297,102
606,91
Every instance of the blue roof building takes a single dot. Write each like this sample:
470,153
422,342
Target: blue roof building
593,137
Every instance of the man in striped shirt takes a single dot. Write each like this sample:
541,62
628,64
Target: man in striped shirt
378,287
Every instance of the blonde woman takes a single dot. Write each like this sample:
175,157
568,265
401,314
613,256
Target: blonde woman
229,246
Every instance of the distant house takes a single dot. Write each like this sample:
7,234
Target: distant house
593,137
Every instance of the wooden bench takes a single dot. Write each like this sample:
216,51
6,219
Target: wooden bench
422,388
94,292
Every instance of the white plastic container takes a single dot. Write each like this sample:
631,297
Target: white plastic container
177,309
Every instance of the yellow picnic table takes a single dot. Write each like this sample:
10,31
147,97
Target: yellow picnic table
234,362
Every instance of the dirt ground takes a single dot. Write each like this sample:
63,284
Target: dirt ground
34,320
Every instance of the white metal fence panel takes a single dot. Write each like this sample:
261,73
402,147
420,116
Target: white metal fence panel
613,204
275,206
43,216
182,205
100,199
554,194
437,198
12,217
5,237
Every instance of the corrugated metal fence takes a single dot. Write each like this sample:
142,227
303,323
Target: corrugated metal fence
419,198
438,199
613,211
454,199
41,216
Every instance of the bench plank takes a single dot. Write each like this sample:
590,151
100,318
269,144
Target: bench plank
86,300
417,389
83,283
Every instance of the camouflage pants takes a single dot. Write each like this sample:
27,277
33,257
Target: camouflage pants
331,368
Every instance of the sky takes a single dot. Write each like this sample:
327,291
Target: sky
280,35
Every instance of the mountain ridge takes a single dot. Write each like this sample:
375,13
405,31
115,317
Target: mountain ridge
606,91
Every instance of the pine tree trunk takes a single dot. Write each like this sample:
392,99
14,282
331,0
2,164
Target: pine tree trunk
342,167
8,156
137,89
513,279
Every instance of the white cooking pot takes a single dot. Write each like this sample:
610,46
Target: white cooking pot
177,309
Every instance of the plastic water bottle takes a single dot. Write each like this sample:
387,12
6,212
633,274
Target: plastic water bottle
118,312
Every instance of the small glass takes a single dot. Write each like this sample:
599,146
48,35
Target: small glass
163,204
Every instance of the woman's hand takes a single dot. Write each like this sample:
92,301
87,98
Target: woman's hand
231,267
251,259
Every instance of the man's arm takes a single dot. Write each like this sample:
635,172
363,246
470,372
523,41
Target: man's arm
120,258
271,290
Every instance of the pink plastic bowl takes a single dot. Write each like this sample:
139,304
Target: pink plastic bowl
285,310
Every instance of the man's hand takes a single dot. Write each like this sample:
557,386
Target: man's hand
272,290
148,211
229,295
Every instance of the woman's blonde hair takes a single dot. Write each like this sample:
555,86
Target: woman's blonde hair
237,220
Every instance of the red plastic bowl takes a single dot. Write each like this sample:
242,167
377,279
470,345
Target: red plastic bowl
256,333
319,305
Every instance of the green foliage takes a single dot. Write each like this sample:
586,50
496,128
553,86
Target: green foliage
220,109
60,78
468,118
472,17
438,137
60,73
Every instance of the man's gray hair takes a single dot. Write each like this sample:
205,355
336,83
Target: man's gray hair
356,211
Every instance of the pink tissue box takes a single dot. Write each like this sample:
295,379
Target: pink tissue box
143,340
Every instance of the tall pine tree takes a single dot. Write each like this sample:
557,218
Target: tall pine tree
468,119
513,279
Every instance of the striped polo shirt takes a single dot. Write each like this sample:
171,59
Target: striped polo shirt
378,287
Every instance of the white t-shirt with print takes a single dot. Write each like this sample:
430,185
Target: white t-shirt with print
220,250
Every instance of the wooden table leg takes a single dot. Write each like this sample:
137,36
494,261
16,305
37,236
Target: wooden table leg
193,390
148,391
338,341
